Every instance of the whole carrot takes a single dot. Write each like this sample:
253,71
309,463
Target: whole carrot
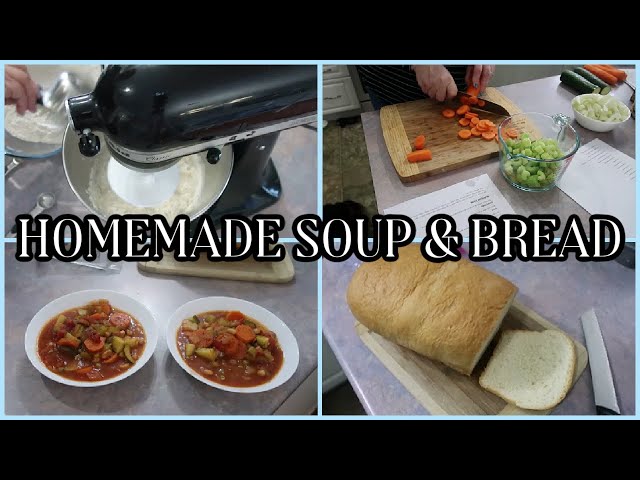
601,74
621,75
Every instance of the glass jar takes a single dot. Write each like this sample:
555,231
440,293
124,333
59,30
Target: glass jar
535,149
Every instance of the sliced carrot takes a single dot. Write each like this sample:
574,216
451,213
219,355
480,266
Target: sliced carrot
481,103
234,316
97,317
84,370
111,359
448,113
464,122
419,142
473,91
470,115
462,110
474,121
512,133
419,156
488,135
245,333
464,134
464,101
473,100
602,74
621,75
496,139
68,342
92,346
484,125
475,132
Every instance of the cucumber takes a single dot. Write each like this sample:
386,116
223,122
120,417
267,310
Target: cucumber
578,83
590,77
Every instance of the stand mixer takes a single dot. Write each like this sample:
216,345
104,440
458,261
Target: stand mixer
148,117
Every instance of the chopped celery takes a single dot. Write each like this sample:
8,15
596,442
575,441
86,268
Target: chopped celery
118,344
127,354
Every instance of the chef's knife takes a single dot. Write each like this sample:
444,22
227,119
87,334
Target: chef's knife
603,388
487,107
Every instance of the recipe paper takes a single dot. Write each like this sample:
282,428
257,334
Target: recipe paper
602,180
477,195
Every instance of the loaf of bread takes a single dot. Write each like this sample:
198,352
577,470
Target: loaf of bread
445,311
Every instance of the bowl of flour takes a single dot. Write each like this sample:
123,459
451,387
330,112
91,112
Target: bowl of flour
40,134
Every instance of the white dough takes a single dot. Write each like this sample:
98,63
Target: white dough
183,200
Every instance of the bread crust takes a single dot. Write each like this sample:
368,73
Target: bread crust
565,389
447,311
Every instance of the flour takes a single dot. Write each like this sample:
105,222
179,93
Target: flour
183,200
43,126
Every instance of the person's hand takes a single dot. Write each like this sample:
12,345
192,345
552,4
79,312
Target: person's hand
479,75
436,82
19,89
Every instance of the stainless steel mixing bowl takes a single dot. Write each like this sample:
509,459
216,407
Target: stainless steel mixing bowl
78,170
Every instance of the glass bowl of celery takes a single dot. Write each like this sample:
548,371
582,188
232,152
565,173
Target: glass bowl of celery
535,149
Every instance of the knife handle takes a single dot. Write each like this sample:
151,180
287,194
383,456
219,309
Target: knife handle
605,411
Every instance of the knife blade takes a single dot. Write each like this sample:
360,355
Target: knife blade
603,389
487,107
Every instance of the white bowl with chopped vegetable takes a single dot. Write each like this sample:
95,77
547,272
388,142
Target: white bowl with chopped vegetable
42,351
599,113
232,344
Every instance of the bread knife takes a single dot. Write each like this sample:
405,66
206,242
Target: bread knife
603,389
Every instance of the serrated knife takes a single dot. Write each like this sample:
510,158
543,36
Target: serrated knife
603,389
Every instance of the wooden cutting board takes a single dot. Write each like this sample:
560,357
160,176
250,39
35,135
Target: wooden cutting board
403,122
247,270
442,390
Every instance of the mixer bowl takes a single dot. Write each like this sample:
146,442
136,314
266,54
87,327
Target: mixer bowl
78,171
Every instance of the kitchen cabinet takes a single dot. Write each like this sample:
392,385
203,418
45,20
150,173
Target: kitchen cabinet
339,98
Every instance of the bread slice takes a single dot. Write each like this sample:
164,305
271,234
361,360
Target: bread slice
532,370
446,311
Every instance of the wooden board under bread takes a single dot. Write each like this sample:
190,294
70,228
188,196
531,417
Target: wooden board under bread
442,390
247,270
403,122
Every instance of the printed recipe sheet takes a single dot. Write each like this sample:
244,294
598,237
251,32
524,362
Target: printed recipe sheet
477,195
602,180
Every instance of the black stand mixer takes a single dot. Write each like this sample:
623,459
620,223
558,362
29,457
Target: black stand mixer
151,116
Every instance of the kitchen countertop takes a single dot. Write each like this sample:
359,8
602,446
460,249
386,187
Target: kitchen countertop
161,387
546,95
608,287
295,151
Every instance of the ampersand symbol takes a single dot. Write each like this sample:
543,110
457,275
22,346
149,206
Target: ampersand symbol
442,241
